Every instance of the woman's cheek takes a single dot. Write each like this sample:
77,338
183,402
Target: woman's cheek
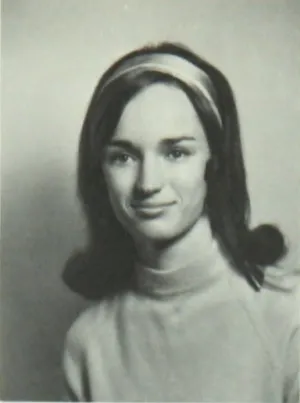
189,182
121,183
192,172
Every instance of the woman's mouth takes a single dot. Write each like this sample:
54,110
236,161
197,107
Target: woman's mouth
150,210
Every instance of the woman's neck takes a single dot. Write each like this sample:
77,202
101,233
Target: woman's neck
181,251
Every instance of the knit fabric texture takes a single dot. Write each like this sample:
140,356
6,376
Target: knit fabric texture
195,334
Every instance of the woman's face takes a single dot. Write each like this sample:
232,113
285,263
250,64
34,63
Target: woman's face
154,165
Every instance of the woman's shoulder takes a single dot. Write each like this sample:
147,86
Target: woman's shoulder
282,279
275,308
280,297
93,322
283,286
273,311
87,338
281,304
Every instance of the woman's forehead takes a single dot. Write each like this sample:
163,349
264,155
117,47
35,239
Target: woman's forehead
159,109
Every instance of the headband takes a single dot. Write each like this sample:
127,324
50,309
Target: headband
173,65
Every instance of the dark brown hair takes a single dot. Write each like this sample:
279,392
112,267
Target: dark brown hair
227,201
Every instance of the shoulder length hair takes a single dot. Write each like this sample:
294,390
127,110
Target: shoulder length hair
227,202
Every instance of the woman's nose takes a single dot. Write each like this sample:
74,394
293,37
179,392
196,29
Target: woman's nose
150,176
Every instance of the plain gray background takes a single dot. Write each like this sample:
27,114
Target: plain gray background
53,52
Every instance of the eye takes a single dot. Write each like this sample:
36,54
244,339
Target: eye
177,153
120,158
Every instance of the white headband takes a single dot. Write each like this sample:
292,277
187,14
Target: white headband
173,65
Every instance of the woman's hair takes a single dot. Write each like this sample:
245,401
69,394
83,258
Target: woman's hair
227,202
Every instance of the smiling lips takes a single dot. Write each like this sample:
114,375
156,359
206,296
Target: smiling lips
151,209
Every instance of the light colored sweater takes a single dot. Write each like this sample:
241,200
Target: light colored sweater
195,334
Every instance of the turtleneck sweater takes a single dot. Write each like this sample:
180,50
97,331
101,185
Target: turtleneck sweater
197,333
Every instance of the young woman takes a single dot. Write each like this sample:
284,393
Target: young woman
192,311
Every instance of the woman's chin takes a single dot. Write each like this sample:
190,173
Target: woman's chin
155,233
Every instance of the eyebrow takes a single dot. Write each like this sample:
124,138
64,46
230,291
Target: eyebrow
125,144
128,145
175,140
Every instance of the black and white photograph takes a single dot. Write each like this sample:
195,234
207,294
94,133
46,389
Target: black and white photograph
150,201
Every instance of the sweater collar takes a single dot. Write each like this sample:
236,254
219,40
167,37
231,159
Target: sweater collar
199,273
